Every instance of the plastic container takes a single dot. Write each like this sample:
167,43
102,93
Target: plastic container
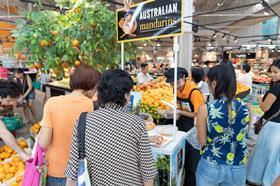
10,123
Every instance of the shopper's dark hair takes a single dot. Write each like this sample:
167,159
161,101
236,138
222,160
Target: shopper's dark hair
197,74
276,63
19,70
113,86
143,65
225,78
85,78
246,67
9,88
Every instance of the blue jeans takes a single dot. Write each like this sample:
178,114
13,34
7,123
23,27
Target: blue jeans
219,175
53,181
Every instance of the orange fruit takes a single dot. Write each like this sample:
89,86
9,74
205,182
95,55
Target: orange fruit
77,10
77,63
75,43
2,176
12,170
14,184
19,178
54,33
57,72
43,43
64,65
9,176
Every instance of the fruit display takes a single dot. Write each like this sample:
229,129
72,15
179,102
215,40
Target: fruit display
6,152
262,79
12,170
153,94
241,88
35,128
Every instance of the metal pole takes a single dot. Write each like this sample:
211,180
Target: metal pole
122,65
176,50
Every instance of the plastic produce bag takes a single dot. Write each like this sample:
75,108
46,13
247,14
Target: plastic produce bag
191,137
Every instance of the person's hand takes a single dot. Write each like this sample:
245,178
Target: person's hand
20,100
25,156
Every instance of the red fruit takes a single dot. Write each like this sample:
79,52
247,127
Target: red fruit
64,65
57,72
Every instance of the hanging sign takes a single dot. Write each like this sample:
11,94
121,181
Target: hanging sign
147,20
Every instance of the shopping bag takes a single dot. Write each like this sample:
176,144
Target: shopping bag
32,174
191,137
83,175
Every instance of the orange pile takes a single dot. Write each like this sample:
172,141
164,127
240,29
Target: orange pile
241,88
6,152
36,128
11,169
153,93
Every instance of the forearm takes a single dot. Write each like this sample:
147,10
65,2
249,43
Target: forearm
187,114
10,140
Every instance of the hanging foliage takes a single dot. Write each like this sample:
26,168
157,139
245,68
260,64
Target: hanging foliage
85,33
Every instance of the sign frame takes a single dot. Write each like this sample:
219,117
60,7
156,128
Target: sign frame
153,37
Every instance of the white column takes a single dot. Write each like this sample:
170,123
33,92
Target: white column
186,40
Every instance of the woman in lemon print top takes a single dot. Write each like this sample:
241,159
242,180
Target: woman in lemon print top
222,127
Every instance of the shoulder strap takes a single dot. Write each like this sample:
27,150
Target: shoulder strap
81,135
193,91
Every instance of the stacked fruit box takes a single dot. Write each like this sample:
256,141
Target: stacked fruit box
11,166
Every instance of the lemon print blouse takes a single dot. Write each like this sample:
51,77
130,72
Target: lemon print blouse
226,136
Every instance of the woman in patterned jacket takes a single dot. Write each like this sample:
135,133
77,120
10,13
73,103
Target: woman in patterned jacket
117,147
222,127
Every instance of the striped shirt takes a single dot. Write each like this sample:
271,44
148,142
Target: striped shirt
117,148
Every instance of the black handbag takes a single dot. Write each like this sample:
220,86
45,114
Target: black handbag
260,123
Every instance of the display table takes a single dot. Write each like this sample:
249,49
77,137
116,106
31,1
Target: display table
56,89
170,161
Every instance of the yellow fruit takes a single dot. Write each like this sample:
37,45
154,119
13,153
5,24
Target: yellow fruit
14,184
12,170
19,178
9,176
2,176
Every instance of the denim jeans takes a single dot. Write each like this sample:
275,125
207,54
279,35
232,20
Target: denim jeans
53,181
211,174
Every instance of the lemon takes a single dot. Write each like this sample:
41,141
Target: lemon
219,129
247,119
244,161
233,113
239,137
230,156
209,140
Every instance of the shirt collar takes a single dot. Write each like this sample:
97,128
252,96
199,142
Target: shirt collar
113,106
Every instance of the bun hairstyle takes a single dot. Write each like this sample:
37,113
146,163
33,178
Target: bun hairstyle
225,78
112,87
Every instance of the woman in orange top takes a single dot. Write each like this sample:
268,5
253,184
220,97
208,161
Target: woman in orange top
60,115
189,100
